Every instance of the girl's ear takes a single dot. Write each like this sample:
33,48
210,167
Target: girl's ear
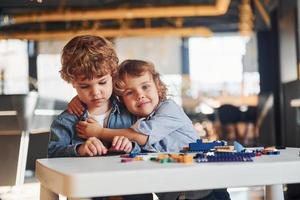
158,90
73,83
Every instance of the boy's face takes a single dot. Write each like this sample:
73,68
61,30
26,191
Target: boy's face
140,95
95,93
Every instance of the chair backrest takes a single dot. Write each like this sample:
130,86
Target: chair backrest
10,138
37,148
229,114
9,154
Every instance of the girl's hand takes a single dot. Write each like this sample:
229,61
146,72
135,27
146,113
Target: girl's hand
75,106
121,143
92,147
88,128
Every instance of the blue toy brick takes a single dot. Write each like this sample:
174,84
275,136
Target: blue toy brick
207,146
238,147
273,152
225,157
133,155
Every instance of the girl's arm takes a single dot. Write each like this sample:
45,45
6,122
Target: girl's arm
91,128
75,106
168,118
108,135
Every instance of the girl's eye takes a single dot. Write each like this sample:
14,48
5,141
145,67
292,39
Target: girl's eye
145,87
128,93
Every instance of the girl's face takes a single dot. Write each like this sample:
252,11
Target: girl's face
140,95
95,93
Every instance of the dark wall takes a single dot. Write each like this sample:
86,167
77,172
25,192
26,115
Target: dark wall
37,148
278,58
290,85
291,114
9,153
269,69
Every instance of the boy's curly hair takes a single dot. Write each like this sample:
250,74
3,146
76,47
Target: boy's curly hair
137,68
88,56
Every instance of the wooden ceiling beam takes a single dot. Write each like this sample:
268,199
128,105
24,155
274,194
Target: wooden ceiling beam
264,14
246,23
219,8
63,35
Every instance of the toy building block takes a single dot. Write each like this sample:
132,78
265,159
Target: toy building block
187,159
173,158
163,160
133,155
138,158
185,149
224,149
162,156
125,160
238,147
225,157
199,145
145,157
270,151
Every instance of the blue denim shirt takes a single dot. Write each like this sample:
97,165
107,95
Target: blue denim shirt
168,127
64,139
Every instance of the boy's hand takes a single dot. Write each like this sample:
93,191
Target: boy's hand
75,106
92,147
121,143
88,128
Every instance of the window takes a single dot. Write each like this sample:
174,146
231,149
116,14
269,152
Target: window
13,67
216,66
50,84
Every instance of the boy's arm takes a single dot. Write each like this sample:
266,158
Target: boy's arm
60,141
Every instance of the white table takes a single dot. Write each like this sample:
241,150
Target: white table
107,176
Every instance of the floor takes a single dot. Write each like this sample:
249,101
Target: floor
251,193
30,191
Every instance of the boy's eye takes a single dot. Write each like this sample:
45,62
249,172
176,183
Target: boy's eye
83,86
102,82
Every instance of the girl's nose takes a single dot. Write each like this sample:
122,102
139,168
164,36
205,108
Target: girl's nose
140,97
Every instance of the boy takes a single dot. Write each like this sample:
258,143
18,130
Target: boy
89,63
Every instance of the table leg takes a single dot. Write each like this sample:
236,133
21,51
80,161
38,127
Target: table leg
274,192
23,150
46,194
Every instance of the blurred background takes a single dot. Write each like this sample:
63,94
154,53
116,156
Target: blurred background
233,65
